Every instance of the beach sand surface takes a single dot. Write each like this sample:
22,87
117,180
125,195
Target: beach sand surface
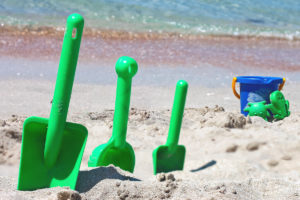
228,156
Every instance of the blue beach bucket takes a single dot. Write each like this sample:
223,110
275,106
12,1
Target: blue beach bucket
256,89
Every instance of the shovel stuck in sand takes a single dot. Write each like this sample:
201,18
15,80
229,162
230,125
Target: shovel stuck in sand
117,151
170,157
52,148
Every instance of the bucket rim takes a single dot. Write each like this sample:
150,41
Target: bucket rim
259,79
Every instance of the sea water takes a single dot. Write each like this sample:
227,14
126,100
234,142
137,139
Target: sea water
267,18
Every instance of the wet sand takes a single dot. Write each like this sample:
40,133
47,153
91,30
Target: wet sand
153,49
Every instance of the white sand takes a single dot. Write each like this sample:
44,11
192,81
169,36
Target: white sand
228,156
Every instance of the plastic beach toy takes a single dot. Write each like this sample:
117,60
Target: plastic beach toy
170,157
52,148
117,151
256,89
258,109
279,107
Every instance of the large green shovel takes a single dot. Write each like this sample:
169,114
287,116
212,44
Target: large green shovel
52,148
117,151
170,157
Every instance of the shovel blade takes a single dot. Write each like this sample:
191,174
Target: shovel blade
166,161
107,154
33,173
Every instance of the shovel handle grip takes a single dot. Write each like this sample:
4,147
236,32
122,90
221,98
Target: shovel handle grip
126,68
177,114
63,88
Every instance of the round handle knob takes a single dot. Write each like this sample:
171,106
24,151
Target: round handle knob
126,67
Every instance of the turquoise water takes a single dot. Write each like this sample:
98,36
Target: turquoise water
270,18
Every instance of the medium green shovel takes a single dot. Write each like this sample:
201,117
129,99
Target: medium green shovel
117,151
170,157
52,148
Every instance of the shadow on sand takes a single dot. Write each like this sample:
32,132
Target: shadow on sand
88,179
209,164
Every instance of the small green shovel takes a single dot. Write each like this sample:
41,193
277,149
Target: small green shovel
52,148
170,157
117,151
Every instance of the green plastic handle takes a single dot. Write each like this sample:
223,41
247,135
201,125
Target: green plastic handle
177,114
63,88
126,68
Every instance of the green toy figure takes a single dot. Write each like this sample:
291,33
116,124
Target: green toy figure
258,109
279,107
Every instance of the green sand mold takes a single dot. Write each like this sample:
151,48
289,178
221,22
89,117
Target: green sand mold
170,157
258,109
117,151
279,107
52,148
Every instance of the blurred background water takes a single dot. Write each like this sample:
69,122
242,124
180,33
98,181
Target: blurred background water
268,18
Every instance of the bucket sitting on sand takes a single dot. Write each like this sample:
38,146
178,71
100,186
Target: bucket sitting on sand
256,89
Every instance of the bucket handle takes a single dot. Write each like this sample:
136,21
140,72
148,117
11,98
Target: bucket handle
282,84
237,94
233,88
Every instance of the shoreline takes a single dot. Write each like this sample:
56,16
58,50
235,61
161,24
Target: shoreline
151,49
109,34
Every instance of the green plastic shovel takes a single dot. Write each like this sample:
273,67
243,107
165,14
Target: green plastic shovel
117,151
52,148
170,157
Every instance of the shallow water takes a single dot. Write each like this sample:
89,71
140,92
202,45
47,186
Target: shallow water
272,18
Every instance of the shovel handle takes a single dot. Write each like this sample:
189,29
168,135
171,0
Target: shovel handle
126,68
177,114
63,88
